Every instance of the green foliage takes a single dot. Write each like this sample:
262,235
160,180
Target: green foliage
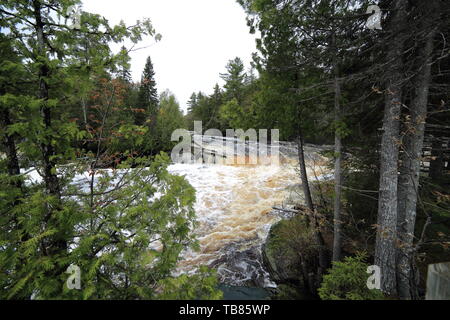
347,280
148,96
291,237
206,109
342,129
128,138
274,105
291,252
126,248
126,233
201,286
232,113
122,219
234,79
169,119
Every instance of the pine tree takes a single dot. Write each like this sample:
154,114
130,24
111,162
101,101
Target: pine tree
123,71
192,103
234,79
148,96
414,127
215,101
108,218
385,250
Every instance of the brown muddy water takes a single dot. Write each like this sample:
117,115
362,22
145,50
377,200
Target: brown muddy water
234,207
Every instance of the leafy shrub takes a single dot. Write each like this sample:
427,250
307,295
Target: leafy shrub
347,281
201,286
291,255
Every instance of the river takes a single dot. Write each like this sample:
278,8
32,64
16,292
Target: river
234,207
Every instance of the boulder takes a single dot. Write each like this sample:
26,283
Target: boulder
282,267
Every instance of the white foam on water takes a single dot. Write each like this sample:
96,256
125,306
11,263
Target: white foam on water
233,207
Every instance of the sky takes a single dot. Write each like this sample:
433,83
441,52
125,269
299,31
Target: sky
198,39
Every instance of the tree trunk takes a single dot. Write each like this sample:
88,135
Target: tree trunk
309,203
408,186
337,234
385,248
50,178
48,152
10,145
13,165
304,175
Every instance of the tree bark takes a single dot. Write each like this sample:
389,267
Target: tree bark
408,186
309,203
10,145
50,177
337,224
48,152
303,174
13,166
385,248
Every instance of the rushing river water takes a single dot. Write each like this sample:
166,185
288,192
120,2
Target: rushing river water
234,208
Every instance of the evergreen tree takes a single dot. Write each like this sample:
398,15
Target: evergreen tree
170,118
192,103
234,79
148,96
321,55
215,100
105,221
123,71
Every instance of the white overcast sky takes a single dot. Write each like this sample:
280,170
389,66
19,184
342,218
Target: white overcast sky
198,39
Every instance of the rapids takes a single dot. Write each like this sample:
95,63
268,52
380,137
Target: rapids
234,208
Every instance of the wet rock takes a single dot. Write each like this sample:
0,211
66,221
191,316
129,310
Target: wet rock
282,268
240,266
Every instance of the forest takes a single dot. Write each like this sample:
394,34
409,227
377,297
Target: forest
89,192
